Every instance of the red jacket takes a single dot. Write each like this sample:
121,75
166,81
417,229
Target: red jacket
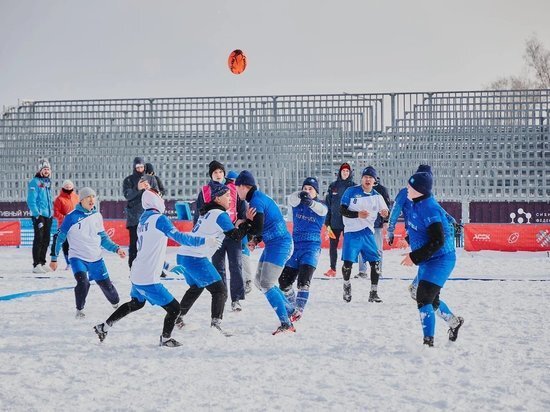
63,205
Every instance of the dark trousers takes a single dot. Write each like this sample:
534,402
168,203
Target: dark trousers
334,248
234,254
218,290
83,286
172,311
42,227
132,247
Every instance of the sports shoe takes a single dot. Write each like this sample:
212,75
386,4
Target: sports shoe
248,287
330,273
429,341
373,297
79,314
100,331
169,342
46,269
38,269
114,305
362,275
179,322
285,328
236,306
296,315
216,324
347,292
453,332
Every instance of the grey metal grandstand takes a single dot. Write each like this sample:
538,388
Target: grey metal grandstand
483,145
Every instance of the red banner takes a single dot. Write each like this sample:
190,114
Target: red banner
116,229
10,232
506,237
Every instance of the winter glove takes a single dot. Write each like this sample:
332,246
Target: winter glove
305,199
390,238
213,242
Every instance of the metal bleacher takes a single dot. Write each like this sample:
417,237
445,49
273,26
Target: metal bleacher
482,145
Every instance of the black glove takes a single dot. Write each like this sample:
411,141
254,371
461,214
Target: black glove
305,199
390,238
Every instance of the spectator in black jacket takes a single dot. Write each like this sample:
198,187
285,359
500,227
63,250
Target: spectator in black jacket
333,221
133,188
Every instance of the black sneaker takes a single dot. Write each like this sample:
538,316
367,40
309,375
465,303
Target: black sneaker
284,328
347,292
169,343
100,331
429,341
247,287
362,275
453,332
373,297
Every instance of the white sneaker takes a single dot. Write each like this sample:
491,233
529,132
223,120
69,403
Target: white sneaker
114,305
45,269
80,314
37,269
236,306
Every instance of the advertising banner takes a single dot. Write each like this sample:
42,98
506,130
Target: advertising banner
506,237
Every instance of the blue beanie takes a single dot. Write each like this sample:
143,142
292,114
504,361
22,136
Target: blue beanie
231,175
245,178
311,181
421,182
217,189
424,168
369,171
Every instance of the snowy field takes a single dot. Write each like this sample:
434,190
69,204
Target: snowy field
344,356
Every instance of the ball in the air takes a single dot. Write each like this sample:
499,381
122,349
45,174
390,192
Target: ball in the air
237,61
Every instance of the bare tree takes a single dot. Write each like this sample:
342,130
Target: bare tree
537,59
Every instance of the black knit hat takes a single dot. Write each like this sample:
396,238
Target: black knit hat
213,166
421,182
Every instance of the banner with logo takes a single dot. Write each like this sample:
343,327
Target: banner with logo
10,232
510,212
116,229
510,237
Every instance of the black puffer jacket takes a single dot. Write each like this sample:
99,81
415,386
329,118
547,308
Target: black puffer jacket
334,195
133,195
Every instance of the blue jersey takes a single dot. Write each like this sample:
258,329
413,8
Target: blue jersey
423,214
400,205
307,220
274,224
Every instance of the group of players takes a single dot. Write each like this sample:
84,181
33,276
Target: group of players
284,260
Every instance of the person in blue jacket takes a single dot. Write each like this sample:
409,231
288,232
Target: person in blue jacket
432,249
84,230
268,226
308,216
40,203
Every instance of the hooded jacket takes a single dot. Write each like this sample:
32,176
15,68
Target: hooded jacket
133,195
334,195
39,196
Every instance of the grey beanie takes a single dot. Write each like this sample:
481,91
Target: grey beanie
85,192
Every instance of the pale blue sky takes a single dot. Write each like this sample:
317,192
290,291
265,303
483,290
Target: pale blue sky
136,48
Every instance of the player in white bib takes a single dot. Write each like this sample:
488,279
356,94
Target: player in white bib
84,230
153,231
195,263
360,206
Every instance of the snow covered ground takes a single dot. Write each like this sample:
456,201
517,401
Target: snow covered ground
344,356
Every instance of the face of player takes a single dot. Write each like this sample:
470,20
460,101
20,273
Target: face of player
412,193
218,175
45,172
367,182
310,191
88,203
345,173
224,200
242,191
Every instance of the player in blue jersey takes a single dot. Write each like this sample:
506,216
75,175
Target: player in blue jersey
268,226
432,249
360,206
83,228
308,216
194,263
153,231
